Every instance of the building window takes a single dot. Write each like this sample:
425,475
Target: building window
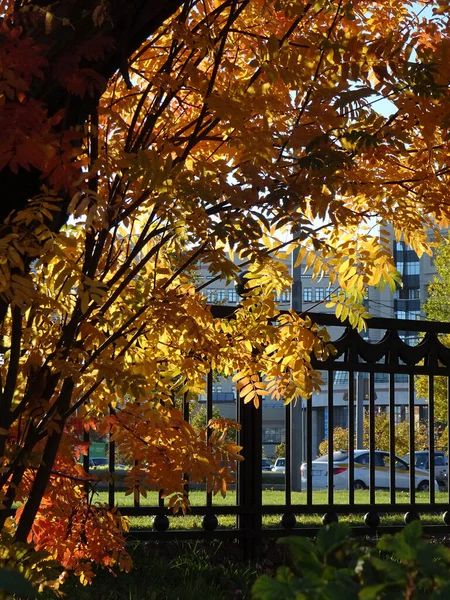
401,378
232,296
284,297
414,315
340,377
319,294
307,294
412,268
340,418
215,296
401,413
411,293
273,435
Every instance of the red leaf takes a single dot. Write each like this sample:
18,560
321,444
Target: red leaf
95,48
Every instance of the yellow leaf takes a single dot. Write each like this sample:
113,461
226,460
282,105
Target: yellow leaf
84,302
248,345
249,397
48,22
69,284
246,390
300,256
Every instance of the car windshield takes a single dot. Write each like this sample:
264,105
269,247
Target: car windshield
421,459
100,461
337,456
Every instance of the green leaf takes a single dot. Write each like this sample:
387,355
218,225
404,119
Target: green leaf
304,553
371,592
413,534
442,593
266,588
391,570
332,537
13,582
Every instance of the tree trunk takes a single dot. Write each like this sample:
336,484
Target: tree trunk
124,24
45,468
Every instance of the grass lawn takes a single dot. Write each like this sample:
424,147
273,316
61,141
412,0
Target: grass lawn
275,497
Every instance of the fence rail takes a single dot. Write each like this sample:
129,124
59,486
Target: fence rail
359,359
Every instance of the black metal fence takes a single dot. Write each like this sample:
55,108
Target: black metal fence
388,365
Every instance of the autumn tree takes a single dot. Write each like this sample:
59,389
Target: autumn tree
437,308
140,138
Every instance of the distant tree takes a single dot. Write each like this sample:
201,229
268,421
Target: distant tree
437,304
437,308
280,450
199,421
340,436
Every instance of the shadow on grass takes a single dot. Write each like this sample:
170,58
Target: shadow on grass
171,571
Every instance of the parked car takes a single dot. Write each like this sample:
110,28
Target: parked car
266,464
98,461
319,468
279,466
422,461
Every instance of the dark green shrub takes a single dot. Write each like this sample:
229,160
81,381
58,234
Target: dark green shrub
337,567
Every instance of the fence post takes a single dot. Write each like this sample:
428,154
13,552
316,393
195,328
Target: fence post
249,482
297,444
360,410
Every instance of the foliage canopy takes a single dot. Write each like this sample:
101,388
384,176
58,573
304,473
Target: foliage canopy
138,141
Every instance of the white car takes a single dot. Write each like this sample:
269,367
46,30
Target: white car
361,473
279,466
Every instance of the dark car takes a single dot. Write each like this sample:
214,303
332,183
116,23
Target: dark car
422,461
266,464
98,461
